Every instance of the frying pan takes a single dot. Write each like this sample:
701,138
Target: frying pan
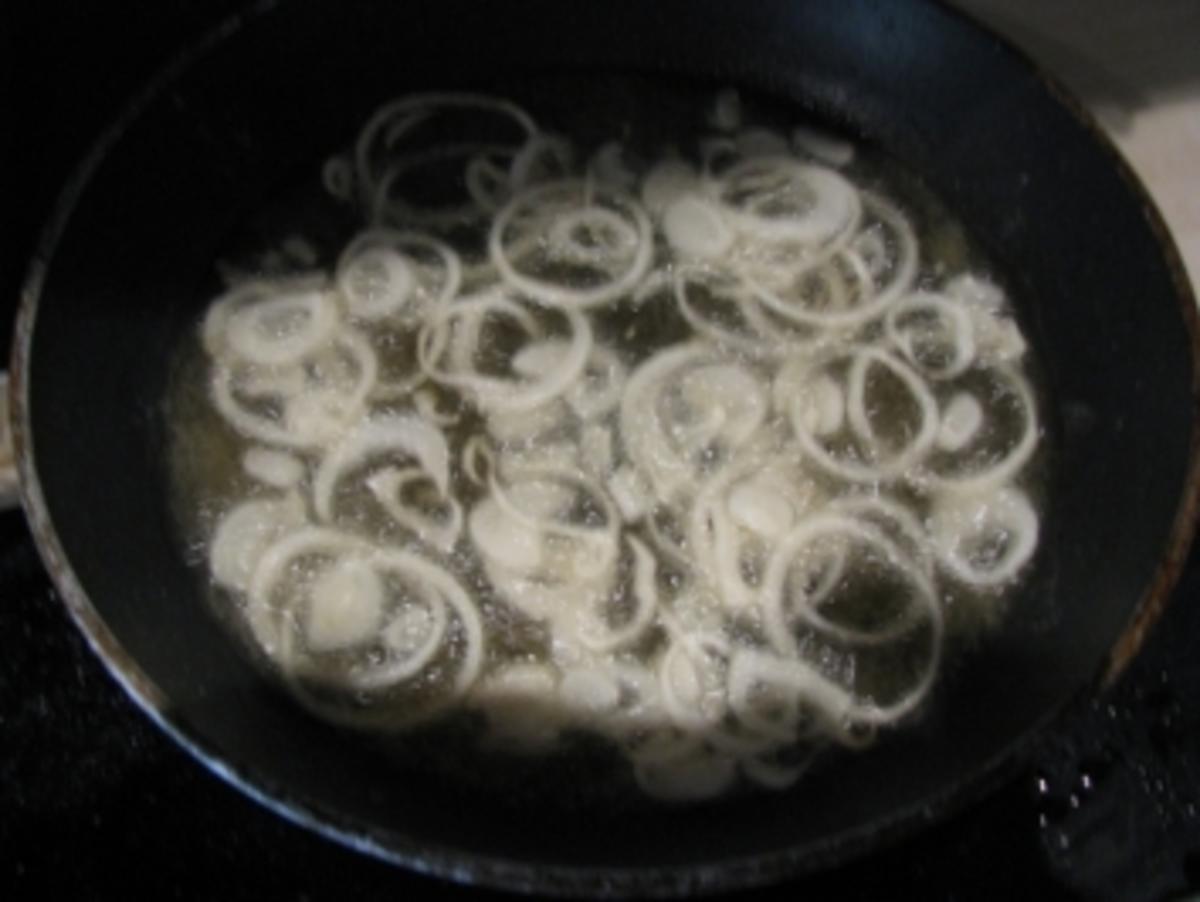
126,267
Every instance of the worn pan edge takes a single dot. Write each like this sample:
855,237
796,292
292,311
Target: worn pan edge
1157,595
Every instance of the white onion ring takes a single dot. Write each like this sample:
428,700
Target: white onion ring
648,442
835,206
893,466
1006,467
274,468
696,229
388,485
394,249
755,341
555,294
956,518
245,533
645,593
251,338
286,434
409,435
409,112
818,526
492,393
540,147
947,311
665,183
426,577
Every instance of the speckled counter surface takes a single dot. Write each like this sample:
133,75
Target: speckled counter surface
96,804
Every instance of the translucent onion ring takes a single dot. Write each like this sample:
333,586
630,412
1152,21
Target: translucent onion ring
407,434
245,328
560,295
603,539
1008,466
953,313
269,430
426,576
387,485
877,301
899,463
1006,510
409,112
214,331
400,241
775,617
759,342
645,439
835,209
244,534
602,639
492,393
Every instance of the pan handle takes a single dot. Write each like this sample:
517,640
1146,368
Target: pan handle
9,496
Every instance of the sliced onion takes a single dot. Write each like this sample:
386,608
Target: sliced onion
609,166
758,338
777,610
310,415
602,638
432,584
542,158
666,183
897,521
630,493
1002,470
952,318
274,468
751,671
409,436
880,465
590,691
599,388
748,505
692,679
400,117
380,277
823,146
245,533
425,400
1005,517
596,453
702,775
487,182
493,393
283,328
388,485
345,607
500,537
337,177
519,701
568,199
696,229
829,205
726,400
960,422
670,531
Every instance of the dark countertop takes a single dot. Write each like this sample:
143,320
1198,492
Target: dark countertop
95,803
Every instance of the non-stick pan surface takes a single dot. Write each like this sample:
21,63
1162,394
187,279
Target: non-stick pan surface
127,268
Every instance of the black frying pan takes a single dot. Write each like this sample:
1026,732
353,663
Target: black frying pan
127,267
